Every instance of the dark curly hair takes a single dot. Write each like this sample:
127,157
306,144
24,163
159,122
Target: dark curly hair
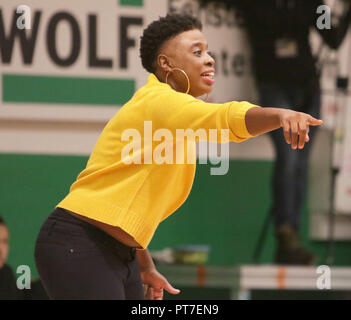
160,31
2,221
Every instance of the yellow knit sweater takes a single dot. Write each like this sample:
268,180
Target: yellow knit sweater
126,189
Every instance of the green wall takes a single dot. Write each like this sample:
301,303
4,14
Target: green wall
226,212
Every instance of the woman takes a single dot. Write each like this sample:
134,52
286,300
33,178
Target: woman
94,244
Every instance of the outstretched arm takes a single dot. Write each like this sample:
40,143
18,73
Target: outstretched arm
295,124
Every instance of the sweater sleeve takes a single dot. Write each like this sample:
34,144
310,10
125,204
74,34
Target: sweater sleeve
173,110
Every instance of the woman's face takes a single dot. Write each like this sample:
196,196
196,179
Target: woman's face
189,52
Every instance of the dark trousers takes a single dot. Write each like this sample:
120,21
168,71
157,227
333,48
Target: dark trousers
289,180
76,260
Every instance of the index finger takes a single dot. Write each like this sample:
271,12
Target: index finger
314,122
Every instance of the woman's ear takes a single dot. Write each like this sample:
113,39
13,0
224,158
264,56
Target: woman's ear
164,63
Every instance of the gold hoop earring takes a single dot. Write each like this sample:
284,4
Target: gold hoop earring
187,78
